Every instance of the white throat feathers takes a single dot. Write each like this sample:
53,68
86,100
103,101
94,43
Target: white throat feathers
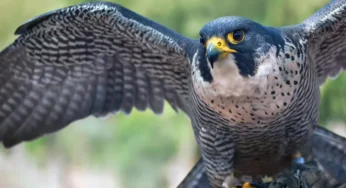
251,100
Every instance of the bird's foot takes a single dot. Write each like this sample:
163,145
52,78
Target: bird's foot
293,180
251,185
294,177
246,182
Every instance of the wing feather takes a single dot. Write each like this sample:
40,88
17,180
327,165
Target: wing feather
329,150
88,59
326,34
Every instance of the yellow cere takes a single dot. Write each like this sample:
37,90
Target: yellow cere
220,44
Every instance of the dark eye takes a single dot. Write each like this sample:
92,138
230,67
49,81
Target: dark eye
202,40
236,36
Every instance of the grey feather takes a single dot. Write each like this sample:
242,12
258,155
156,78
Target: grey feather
326,34
329,151
100,58
88,59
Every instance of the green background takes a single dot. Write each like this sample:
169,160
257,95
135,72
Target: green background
140,150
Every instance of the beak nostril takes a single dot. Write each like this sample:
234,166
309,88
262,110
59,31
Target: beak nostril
216,48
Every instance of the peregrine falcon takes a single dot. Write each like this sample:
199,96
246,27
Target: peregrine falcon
251,91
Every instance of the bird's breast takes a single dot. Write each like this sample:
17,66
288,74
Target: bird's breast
258,99
260,148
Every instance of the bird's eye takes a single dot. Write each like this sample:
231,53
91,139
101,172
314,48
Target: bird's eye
236,36
202,41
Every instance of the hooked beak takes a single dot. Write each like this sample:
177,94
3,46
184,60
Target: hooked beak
216,49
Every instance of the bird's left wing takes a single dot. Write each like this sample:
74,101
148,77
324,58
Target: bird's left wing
88,59
326,39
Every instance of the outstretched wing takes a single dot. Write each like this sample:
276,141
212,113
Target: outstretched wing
326,34
88,59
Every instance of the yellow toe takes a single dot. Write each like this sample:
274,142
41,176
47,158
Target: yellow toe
297,155
247,185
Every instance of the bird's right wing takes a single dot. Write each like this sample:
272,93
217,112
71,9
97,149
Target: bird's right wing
326,39
88,59
329,150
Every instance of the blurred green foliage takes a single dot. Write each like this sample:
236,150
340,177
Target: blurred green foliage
139,145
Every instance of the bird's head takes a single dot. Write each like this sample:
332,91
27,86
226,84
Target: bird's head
233,49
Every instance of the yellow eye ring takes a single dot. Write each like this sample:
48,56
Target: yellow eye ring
235,37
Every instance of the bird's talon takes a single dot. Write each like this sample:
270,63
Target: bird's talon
249,185
297,174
